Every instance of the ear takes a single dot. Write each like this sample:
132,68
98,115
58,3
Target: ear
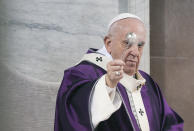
107,43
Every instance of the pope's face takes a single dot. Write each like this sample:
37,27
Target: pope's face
117,45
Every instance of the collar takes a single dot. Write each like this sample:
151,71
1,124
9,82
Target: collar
104,52
129,82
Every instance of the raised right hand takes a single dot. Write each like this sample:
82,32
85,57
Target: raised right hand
114,72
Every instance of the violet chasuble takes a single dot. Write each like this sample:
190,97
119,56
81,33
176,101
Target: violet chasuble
73,106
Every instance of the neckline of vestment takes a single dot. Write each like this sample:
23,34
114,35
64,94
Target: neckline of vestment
129,82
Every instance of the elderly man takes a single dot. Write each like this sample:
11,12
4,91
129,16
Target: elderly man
107,92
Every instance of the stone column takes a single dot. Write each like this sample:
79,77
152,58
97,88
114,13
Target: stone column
39,39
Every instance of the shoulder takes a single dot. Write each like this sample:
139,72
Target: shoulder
85,70
146,76
150,83
74,77
81,73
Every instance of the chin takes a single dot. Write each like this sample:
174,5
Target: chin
130,71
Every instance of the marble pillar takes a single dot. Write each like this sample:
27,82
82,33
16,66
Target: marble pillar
39,39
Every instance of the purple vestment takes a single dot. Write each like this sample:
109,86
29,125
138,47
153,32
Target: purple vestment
74,101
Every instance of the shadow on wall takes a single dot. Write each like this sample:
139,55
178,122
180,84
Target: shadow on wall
157,42
172,55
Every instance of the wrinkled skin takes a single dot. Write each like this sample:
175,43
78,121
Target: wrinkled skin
125,59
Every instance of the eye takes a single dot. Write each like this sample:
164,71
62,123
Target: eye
141,44
126,44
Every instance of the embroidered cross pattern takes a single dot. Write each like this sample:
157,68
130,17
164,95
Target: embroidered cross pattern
99,59
141,112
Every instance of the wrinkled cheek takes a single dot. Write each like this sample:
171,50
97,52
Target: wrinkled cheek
123,54
137,65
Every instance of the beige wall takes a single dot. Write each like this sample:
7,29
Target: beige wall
172,54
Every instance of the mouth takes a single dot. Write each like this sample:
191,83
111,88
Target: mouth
132,61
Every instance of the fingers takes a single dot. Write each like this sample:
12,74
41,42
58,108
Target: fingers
116,68
115,71
117,75
117,63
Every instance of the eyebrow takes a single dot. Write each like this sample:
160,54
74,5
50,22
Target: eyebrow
141,43
125,41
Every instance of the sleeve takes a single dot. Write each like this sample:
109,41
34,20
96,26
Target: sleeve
105,101
171,121
72,111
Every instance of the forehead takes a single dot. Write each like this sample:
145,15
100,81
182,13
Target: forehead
122,27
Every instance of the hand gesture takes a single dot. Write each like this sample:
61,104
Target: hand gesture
114,72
